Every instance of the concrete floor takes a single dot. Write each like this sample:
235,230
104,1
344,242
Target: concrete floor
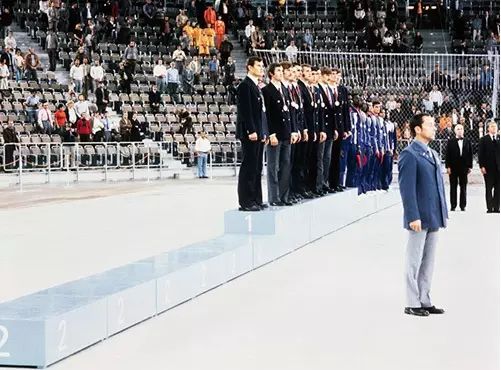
335,304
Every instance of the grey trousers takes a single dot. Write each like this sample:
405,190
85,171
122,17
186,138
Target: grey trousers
278,171
324,155
420,258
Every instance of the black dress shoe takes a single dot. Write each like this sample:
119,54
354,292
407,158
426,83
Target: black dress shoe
495,211
253,208
490,211
332,191
339,188
463,209
277,204
453,209
418,311
263,206
287,203
433,310
308,195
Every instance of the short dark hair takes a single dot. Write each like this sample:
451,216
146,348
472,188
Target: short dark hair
286,65
325,71
306,66
271,69
417,121
336,70
253,60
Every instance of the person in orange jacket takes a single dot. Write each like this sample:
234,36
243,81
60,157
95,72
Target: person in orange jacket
197,35
220,29
211,34
204,45
189,30
210,16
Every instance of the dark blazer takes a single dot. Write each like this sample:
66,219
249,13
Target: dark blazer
249,110
488,154
456,162
345,108
422,187
277,117
327,113
289,99
308,107
102,94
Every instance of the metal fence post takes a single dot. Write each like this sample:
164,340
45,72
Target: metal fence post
48,162
20,154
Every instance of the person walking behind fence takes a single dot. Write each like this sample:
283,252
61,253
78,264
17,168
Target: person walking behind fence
425,212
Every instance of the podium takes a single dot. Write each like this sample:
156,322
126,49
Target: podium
42,328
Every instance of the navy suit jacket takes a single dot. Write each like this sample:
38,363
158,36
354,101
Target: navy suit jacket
250,115
422,187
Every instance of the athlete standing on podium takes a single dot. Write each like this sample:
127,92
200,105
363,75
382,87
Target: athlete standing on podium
252,130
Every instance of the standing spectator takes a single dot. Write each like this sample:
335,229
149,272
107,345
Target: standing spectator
9,137
77,76
82,106
225,49
160,73
96,74
149,12
220,29
78,35
130,57
257,39
459,162
31,64
64,18
476,24
359,15
210,16
108,126
71,113
97,127
125,78
488,160
249,30
4,75
179,57
188,80
45,121
84,128
155,99
418,10
87,12
173,81
181,19
196,67
87,81
31,105
52,45
10,41
102,97
52,16
73,16
165,31
5,21
139,131
214,70
436,99
202,150
60,119
291,52
229,72
19,65
125,127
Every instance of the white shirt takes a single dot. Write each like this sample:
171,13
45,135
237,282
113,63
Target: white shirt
97,125
4,71
82,107
77,73
97,73
10,41
460,144
249,30
159,70
178,55
202,145
436,97
44,114
291,52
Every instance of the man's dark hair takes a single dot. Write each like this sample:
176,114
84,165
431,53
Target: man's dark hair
336,70
253,60
271,69
314,68
376,102
417,121
286,65
325,71
306,66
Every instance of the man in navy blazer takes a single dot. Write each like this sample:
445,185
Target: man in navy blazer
425,212
252,130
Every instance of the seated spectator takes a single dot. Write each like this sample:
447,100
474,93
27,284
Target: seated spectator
387,42
186,121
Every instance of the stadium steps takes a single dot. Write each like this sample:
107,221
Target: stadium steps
436,41
239,56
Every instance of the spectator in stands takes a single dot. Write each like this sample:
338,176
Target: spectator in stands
196,67
374,42
202,150
130,56
181,19
160,73
78,35
87,81
476,25
165,31
486,77
188,79
436,98
81,54
82,106
291,52
71,113
489,23
173,81
31,64
52,16
102,97
19,65
9,137
392,17
10,41
125,127
446,105
186,121
96,74
491,45
60,119
214,70
249,30
418,12
8,59
97,127
77,76
5,22
225,49
229,72
257,39
84,128
381,14
125,78
210,16
31,105
387,42
191,9
109,127
154,99
139,130
45,120
220,29
359,16
88,12
4,75
73,17
150,12
179,57
52,45
64,15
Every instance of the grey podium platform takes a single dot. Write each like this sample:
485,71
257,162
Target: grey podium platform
40,329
